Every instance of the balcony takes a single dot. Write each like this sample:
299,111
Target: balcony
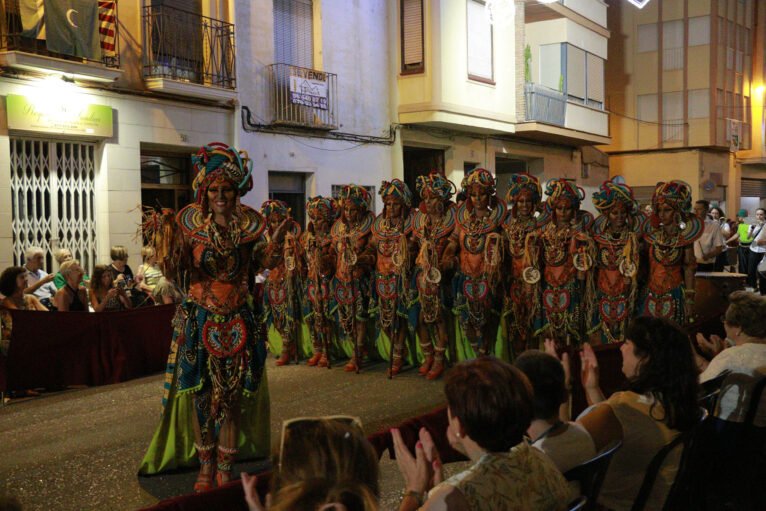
188,54
26,50
545,104
301,97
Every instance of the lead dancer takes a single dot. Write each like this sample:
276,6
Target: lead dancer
391,290
355,260
433,224
320,258
480,249
216,400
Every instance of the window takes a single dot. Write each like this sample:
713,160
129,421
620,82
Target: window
479,31
412,36
166,180
576,72
595,79
647,37
672,116
699,30
699,103
673,45
294,33
647,107
550,67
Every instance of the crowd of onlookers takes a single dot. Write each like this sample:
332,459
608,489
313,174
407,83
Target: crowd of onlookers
111,287
733,245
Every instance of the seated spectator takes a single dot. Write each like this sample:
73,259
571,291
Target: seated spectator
167,291
323,464
489,407
119,267
661,402
62,255
39,283
149,273
568,444
745,324
105,293
13,285
73,297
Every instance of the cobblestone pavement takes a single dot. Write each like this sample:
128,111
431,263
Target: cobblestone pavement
80,449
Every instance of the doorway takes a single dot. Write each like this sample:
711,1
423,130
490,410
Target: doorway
419,161
504,168
290,187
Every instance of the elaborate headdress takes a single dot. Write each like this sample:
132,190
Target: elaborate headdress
398,189
324,206
435,183
613,191
676,193
356,194
561,188
519,182
271,206
219,161
479,176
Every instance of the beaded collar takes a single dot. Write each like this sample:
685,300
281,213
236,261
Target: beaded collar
600,232
488,223
193,223
381,229
693,229
338,229
444,228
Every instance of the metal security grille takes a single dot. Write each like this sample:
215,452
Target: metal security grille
52,199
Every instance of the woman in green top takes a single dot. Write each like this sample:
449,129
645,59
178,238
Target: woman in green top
745,238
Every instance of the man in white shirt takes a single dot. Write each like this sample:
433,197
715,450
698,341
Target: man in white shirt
39,283
711,243
757,251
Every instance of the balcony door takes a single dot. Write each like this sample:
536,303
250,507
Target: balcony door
177,39
419,161
294,33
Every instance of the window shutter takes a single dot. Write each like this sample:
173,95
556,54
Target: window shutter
294,32
647,37
575,72
699,30
647,107
412,34
699,103
479,41
595,78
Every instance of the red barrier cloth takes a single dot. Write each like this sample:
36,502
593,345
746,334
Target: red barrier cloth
230,496
53,350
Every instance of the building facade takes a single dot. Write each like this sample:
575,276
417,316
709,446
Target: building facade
685,93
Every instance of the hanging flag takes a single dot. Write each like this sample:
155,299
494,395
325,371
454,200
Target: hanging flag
107,18
32,19
72,27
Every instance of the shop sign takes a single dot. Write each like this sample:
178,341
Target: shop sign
70,118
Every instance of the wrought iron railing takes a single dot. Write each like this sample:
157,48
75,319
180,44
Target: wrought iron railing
303,97
13,37
545,104
186,46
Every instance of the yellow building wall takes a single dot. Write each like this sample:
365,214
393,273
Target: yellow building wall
646,169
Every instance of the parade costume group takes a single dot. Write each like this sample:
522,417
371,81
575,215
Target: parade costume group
425,283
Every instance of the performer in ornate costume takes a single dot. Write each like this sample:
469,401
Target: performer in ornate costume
283,284
523,198
320,258
616,236
670,234
355,260
563,250
391,287
216,397
433,224
479,245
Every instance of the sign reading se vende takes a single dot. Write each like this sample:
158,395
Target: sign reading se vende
66,119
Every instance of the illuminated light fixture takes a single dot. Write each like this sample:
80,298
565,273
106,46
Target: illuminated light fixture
500,12
57,99
760,90
639,3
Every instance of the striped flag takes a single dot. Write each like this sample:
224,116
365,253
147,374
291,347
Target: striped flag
107,17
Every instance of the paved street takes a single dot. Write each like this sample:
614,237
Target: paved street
80,449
